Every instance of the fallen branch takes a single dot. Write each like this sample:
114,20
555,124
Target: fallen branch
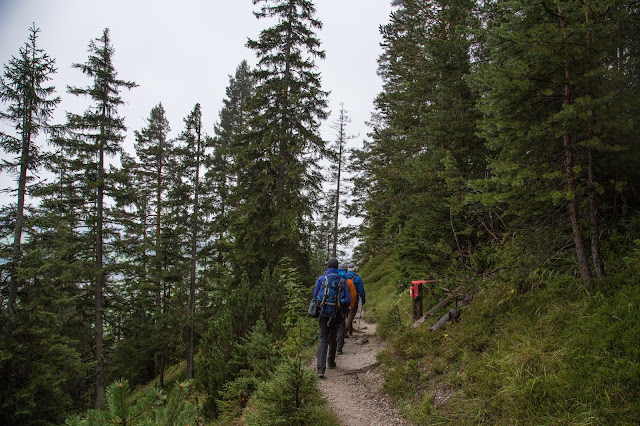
453,314
441,304
453,295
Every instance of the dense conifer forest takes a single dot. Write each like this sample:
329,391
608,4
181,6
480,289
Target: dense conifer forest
169,283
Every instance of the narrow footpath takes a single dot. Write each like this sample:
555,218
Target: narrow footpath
354,388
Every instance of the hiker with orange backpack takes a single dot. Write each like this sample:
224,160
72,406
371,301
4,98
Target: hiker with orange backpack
332,294
342,272
352,275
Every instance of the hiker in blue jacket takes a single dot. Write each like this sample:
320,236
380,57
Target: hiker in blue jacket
342,273
359,285
331,290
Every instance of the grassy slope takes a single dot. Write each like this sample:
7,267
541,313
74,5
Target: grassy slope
531,349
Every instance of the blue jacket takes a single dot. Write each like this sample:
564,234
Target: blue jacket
343,274
345,297
359,285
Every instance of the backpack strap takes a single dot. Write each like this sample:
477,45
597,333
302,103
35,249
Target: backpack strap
326,290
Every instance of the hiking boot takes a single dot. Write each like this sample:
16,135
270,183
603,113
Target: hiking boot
320,374
339,353
332,365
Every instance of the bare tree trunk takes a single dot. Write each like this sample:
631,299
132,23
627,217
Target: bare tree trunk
16,254
452,315
284,133
99,280
341,138
581,255
336,213
596,255
441,304
194,240
158,264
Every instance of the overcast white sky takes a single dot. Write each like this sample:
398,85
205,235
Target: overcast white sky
181,52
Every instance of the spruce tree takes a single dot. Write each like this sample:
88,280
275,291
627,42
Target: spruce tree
41,370
337,176
91,138
553,119
155,151
30,105
192,160
43,373
278,170
220,177
423,147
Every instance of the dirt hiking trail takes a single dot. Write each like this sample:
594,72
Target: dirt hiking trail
354,387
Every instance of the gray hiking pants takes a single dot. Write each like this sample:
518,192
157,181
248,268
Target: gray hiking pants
328,327
352,315
341,332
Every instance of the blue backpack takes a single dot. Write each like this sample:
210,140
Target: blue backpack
330,294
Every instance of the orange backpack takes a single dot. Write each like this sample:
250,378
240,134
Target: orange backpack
352,292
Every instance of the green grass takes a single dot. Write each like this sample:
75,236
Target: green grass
388,300
174,373
530,349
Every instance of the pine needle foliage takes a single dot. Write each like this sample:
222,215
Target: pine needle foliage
290,397
90,139
30,103
278,160
152,408
234,397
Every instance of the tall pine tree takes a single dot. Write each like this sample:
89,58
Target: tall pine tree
193,158
337,177
93,137
423,147
557,112
278,164
155,151
220,177
30,106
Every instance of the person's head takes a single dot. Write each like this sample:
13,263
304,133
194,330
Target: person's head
353,267
344,267
332,263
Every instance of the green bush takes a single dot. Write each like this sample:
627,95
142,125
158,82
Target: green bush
234,397
150,408
256,355
290,397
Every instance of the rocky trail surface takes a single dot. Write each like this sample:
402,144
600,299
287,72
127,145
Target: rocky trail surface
354,388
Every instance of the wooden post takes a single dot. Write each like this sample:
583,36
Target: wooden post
417,300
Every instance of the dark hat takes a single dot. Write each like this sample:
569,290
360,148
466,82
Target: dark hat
353,267
332,263
343,266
